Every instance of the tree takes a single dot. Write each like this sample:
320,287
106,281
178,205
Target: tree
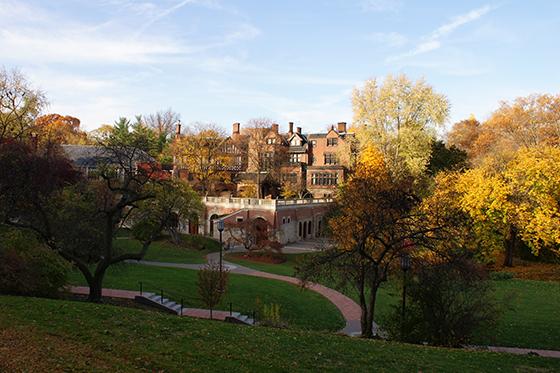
52,130
254,235
377,218
19,105
464,134
525,122
53,199
444,158
163,123
212,284
513,203
265,152
399,118
448,302
202,152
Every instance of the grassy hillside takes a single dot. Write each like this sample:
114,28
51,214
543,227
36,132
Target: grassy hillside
302,309
40,335
531,308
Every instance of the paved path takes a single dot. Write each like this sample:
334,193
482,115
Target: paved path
349,309
525,351
128,294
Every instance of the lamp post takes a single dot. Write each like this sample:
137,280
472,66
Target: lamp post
221,229
405,266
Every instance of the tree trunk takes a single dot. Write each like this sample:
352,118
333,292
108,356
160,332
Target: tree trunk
510,244
259,184
363,303
95,288
367,332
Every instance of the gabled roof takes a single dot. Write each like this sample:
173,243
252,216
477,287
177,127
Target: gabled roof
92,155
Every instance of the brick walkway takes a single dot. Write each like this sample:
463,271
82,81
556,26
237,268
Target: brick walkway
349,309
127,294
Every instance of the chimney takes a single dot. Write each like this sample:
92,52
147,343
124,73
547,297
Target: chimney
298,130
290,128
178,129
341,127
236,127
274,127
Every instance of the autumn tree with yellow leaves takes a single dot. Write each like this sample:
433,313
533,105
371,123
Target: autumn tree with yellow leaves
399,117
519,202
378,216
202,152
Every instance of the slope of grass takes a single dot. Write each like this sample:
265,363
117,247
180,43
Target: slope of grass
192,249
41,335
299,308
531,316
286,269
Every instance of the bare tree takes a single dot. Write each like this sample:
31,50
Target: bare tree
19,105
266,151
163,122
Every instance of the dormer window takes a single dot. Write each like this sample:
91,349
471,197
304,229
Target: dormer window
332,141
271,141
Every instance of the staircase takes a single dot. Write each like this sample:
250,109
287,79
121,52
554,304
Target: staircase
155,300
169,306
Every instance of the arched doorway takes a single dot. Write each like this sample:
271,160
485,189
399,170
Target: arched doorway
261,229
212,222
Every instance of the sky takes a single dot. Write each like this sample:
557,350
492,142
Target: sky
223,61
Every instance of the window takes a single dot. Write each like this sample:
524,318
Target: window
330,158
295,158
295,142
290,177
239,220
313,142
324,179
271,141
332,142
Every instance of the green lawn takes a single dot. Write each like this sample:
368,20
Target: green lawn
50,335
302,309
532,318
287,268
192,249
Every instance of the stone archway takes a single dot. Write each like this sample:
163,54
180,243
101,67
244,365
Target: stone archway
261,229
211,222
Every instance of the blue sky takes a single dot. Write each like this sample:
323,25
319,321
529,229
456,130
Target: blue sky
225,61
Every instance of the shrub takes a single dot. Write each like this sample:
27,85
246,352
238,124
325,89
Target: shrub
499,276
29,268
270,316
212,285
447,303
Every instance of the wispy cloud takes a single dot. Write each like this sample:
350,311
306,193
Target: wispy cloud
381,5
433,41
162,14
391,39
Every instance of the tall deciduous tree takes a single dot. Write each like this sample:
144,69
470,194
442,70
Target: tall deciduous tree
202,152
377,218
78,218
20,105
524,122
54,129
399,118
516,202
265,152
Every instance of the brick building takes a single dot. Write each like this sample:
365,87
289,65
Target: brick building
310,162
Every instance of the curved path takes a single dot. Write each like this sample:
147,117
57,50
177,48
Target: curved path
349,309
